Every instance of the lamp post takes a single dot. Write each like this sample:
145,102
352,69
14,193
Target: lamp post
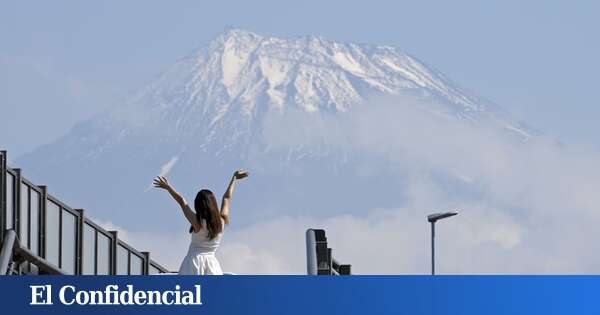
432,218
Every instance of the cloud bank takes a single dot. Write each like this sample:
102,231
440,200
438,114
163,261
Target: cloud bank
525,206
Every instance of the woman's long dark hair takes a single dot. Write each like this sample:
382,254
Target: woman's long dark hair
208,210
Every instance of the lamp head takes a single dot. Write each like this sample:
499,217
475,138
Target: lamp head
440,215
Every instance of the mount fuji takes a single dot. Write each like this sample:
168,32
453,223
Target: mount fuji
276,106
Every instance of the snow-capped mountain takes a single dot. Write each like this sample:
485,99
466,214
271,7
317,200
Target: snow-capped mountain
206,115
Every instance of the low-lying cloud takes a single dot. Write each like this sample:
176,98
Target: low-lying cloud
526,206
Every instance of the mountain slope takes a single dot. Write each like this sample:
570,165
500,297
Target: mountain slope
210,110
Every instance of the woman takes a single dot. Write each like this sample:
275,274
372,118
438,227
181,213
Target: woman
207,224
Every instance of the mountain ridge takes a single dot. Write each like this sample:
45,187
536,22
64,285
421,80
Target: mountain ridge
244,75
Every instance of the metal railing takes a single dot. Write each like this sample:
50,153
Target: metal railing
319,258
49,232
14,254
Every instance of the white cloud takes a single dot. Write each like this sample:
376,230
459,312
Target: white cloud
165,169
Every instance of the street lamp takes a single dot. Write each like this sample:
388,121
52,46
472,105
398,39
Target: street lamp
432,218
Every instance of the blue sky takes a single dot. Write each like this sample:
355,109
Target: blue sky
63,61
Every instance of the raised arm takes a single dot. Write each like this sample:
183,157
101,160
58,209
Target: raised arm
226,202
161,182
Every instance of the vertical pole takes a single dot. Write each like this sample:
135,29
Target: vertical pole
17,206
96,251
312,265
329,261
432,248
42,219
2,193
79,242
113,252
18,216
146,269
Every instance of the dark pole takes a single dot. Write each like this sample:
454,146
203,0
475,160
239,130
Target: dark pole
433,248
432,218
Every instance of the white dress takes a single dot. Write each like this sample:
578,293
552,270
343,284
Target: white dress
200,259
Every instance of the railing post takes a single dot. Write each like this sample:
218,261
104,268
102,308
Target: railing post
79,240
17,210
2,194
42,219
17,203
113,252
146,269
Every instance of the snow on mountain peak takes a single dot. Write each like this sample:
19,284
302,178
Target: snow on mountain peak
249,74
221,92
316,74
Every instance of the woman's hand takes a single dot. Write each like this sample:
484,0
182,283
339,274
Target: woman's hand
225,203
161,182
240,174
